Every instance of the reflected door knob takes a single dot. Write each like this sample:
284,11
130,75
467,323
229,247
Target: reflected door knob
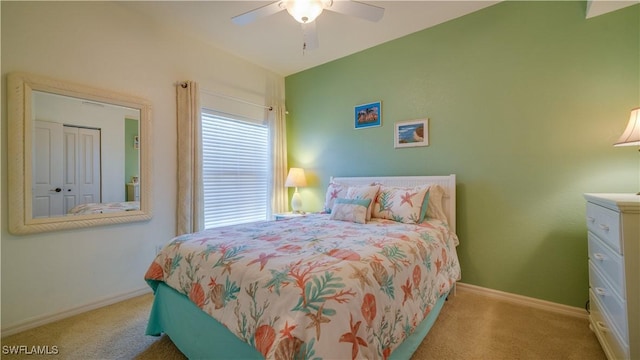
56,190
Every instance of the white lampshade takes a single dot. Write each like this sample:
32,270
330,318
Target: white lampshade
631,135
304,11
295,178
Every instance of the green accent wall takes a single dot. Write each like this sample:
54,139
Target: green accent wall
525,100
131,154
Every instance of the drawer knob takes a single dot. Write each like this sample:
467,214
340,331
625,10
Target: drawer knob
600,291
604,227
591,219
599,256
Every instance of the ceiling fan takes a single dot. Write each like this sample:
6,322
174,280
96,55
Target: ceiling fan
306,11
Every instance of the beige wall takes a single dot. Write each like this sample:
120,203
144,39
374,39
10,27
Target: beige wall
104,45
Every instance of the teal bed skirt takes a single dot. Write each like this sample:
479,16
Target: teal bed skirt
199,336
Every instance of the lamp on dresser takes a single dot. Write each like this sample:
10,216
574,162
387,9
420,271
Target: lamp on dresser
631,135
613,224
295,179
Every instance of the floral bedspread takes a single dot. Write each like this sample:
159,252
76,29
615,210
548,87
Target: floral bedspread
311,287
104,208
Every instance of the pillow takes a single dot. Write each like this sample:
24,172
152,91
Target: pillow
364,192
334,191
435,210
402,204
354,210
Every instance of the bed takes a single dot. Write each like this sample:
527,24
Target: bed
364,279
104,208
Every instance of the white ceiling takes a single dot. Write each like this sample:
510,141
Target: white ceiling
599,7
275,42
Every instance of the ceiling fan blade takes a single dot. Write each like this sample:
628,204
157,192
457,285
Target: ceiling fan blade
357,9
310,36
264,11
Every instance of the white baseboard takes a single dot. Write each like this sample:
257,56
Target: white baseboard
46,319
513,298
526,301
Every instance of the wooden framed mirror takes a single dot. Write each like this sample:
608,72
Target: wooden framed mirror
78,156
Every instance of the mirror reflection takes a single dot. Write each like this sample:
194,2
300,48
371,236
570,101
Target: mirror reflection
78,156
85,156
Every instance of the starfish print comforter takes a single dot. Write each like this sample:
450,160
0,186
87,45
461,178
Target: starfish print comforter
311,287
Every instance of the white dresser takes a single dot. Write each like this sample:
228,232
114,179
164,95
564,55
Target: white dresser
613,221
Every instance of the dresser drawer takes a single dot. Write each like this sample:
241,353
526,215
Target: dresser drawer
612,345
608,262
613,307
606,224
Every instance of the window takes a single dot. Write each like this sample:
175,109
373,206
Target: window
236,170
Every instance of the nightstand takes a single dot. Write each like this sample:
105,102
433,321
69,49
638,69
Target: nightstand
613,221
288,215
133,192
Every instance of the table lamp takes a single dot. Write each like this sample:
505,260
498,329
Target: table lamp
631,135
294,179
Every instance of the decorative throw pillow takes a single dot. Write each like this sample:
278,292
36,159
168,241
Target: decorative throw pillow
354,210
334,191
366,192
435,210
402,204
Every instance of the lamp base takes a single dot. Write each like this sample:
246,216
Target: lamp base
296,203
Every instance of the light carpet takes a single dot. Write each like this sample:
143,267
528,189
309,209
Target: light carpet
470,326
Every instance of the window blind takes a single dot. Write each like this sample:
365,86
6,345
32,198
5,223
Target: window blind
235,170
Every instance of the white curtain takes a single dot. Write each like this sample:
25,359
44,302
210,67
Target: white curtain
190,211
278,128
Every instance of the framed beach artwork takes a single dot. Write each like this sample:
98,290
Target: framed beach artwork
368,115
411,133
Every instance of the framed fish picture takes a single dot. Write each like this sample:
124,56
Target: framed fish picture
411,133
368,115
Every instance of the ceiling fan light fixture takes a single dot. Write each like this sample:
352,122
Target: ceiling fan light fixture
304,11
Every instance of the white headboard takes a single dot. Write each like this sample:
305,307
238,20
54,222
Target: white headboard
448,183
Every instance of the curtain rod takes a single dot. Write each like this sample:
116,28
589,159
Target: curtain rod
270,108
